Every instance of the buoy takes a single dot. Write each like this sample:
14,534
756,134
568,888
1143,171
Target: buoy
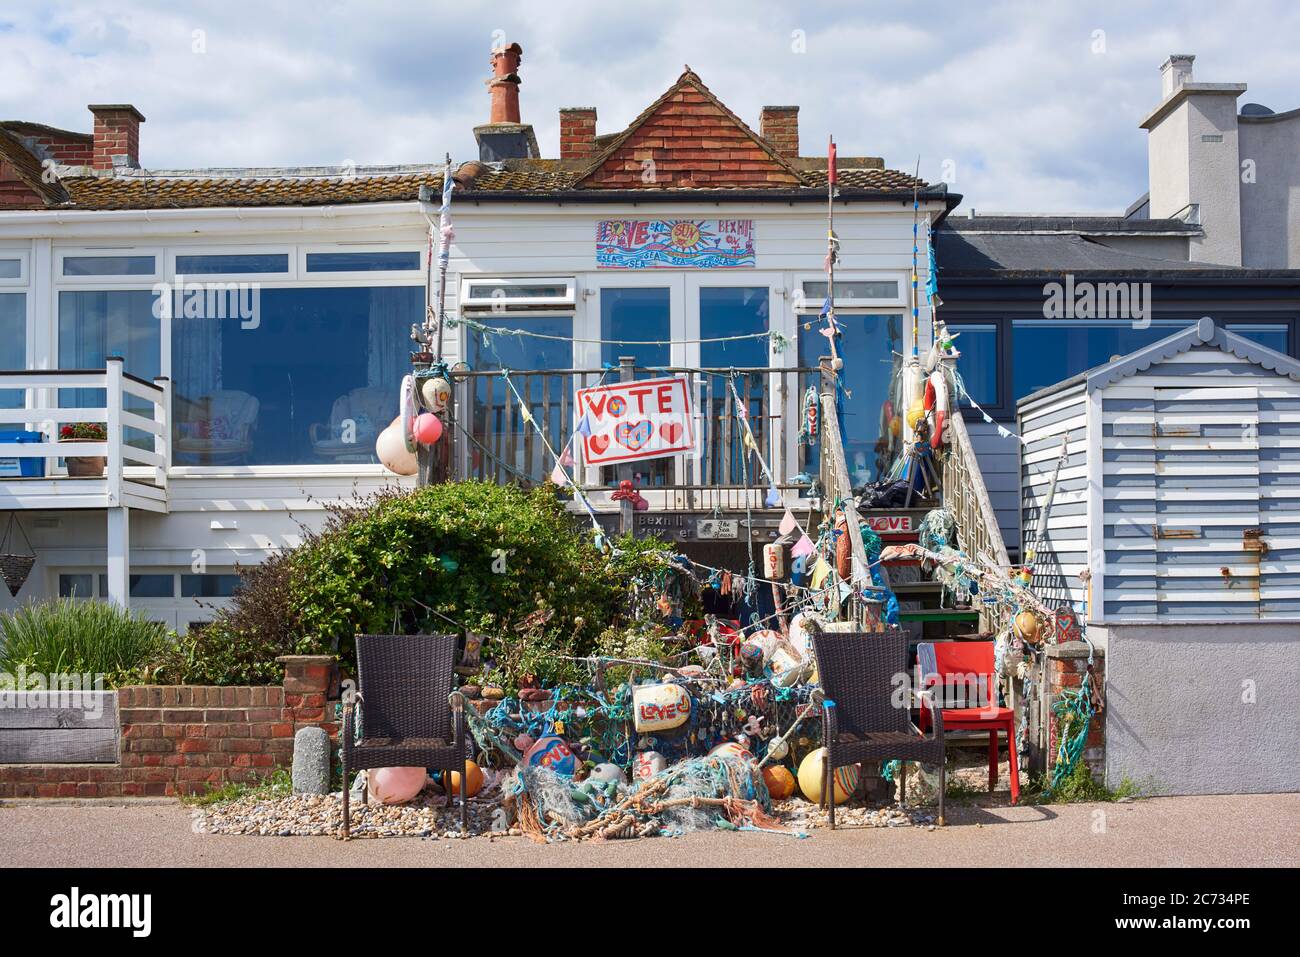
428,428
395,785
390,448
731,749
450,780
435,393
1027,627
774,561
812,773
913,386
646,764
936,394
779,781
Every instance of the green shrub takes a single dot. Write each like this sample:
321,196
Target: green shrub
500,561
70,636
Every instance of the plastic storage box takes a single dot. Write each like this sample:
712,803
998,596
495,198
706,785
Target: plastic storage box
21,467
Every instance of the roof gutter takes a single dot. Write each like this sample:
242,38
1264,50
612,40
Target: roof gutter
646,196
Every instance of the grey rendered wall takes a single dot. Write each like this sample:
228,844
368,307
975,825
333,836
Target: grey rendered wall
1178,718
1270,206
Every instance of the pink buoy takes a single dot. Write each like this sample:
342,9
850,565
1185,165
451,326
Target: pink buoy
395,785
428,428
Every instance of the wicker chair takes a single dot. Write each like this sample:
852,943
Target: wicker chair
410,714
863,721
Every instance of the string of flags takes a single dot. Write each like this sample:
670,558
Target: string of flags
1003,431
780,341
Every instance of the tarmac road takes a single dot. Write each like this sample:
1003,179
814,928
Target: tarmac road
1223,831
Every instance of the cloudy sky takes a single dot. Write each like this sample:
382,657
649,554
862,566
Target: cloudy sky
1021,106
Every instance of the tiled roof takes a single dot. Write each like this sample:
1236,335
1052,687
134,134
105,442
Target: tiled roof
27,168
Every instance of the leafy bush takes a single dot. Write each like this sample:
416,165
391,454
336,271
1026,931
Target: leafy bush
69,636
500,561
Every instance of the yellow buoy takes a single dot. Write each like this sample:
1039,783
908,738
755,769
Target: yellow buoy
1027,627
812,772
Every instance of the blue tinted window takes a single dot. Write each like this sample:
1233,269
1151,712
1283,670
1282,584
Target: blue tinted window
76,586
11,269
868,348
1045,351
734,311
108,266
232,264
94,325
361,262
505,447
152,586
13,344
209,586
638,315
978,363
1273,335
312,377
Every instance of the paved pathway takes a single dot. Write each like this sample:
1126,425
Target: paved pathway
1229,831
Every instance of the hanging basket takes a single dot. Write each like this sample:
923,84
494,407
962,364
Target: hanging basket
15,568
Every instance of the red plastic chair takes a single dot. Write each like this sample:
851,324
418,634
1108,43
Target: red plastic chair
963,677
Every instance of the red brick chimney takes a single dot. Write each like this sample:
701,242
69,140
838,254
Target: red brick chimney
577,132
504,83
117,135
779,125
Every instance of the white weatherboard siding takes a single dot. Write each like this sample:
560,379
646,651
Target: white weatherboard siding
1202,456
223,517
999,463
1063,551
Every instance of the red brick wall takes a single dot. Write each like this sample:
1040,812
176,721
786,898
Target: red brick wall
117,133
184,739
577,132
1066,670
779,125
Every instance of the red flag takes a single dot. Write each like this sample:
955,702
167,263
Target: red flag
831,176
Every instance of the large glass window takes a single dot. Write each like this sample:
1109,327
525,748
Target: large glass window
311,378
505,447
96,324
1046,351
1272,335
870,346
13,343
978,364
733,311
637,314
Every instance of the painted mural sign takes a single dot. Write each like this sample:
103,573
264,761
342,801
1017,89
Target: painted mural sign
631,421
674,243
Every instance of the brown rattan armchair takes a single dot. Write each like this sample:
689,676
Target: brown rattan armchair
868,697
407,717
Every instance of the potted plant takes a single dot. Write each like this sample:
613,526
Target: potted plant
85,466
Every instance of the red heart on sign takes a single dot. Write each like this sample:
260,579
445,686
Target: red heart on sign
598,443
671,432
634,435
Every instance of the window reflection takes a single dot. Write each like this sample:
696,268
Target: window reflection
637,315
727,311
1046,351
13,343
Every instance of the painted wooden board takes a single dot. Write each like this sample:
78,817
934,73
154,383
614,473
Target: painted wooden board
58,746
73,709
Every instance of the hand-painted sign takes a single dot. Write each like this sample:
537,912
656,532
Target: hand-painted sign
674,243
630,421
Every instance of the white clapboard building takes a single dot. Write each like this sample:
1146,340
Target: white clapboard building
241,335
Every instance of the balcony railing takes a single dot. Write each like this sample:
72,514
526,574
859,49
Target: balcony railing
494,440
136,449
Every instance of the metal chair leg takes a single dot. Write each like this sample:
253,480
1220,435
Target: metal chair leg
943,786
347,822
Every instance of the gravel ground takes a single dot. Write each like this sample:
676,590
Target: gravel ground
1225,831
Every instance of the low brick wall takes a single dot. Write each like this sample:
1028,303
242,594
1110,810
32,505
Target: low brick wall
185,739
1067,664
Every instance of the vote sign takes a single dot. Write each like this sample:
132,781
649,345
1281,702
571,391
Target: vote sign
631,421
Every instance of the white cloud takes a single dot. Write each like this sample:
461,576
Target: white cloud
1012,94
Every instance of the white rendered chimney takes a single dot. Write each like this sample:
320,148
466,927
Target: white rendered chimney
1176,71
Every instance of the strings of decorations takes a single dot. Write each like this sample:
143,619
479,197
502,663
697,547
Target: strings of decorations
779,340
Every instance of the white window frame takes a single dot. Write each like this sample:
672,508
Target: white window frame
24,257
470,281
902,278
63,253
359,277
